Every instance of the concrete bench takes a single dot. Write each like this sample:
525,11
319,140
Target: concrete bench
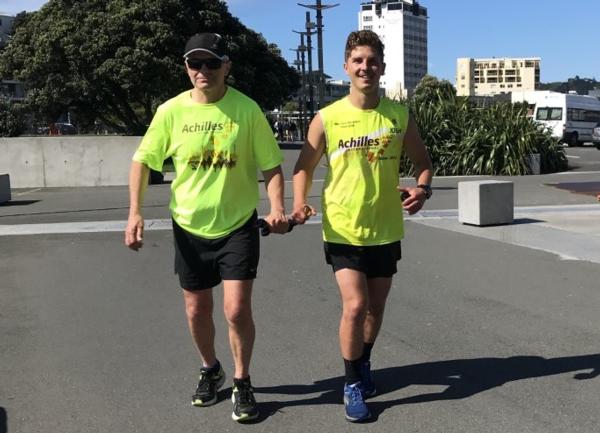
4,188
486,202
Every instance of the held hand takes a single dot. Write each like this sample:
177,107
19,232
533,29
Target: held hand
302,213
277,221
134,233
412,199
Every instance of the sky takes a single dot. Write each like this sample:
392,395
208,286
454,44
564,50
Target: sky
563,34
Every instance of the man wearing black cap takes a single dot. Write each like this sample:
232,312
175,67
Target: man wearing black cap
217,138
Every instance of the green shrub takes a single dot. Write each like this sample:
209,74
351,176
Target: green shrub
466,140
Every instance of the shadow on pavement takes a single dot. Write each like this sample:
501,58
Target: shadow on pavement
3,421
587,188
462,378
18,203
526,221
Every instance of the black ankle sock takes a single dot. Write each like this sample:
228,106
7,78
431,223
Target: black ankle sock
238,382
352,369
214,368
367,348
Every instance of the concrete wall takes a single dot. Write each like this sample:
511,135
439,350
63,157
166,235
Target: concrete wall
61,161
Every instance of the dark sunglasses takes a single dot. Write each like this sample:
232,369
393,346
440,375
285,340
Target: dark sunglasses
196,64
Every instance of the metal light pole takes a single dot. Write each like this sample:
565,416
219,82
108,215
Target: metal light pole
321,78
309,26
299,63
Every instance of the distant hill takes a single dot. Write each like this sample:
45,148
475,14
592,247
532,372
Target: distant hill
581,85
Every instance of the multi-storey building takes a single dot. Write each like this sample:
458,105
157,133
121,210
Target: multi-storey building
11,89
402,27
6,24
489,77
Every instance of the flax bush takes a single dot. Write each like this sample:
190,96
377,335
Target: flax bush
467,140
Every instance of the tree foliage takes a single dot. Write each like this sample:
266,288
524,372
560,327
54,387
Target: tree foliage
11,124
116,60
580,85
464,139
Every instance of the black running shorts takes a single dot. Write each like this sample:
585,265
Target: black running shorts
373,261
203,263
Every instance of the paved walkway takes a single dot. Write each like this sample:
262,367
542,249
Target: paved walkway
490,329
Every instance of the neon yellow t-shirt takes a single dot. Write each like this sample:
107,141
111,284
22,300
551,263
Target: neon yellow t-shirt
216,151
360,202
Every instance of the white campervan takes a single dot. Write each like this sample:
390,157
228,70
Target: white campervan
571,118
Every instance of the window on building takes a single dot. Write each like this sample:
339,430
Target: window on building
367,7
368,27
368,18
394,6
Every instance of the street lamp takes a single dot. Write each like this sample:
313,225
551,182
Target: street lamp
319,7
308,48
299,64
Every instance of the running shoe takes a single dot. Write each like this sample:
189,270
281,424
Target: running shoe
354,403
210,382
366,380
244,404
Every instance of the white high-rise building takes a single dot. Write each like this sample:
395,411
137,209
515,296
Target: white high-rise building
402,27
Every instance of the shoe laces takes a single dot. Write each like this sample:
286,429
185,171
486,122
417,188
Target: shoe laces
204,383
355,394
245,394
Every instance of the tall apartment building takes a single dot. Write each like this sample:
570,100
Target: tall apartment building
489,77
402,27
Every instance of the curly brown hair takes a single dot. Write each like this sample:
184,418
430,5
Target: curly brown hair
363,37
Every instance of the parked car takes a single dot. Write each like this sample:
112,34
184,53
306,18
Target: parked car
66,128
596,137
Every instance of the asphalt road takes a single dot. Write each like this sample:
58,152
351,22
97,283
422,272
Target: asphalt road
485,330
585,158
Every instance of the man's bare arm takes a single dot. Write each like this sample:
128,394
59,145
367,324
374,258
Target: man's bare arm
418,155
138,181
309,157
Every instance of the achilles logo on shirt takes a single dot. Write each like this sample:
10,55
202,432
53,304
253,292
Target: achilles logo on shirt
207,126
363,141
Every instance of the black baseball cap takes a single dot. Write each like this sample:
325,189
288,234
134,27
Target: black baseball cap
211,43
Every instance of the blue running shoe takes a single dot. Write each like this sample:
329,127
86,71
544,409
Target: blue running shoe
354,403
366,380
